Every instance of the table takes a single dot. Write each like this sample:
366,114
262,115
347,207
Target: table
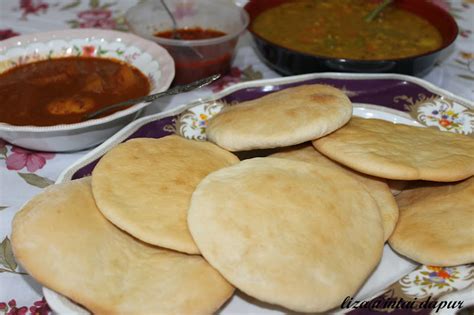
25,173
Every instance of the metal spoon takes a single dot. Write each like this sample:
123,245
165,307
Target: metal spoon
372,15
173,20
149,98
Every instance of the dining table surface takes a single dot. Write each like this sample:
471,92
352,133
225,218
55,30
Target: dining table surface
25,173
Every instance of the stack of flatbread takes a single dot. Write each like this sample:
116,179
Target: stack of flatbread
178,223
139,263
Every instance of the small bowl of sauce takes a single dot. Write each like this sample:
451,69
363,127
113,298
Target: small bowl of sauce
205,40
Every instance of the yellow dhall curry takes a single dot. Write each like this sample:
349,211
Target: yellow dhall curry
337,28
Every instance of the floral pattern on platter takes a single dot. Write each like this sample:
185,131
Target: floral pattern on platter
426,284
447,116
192,123
85,47
441,113
20,158
435,281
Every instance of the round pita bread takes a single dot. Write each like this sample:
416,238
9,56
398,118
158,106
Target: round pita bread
436,225
144,186
64,242
380,148
287,232
291,116
376,187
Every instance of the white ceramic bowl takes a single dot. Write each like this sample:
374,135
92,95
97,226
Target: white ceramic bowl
151,59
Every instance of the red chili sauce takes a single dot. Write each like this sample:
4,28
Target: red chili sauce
191,33
196,62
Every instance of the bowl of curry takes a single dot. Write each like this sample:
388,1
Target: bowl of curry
204,39
303,36
50,81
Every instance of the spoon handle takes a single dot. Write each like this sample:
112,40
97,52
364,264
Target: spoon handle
175,34
173,20
149,98
372,15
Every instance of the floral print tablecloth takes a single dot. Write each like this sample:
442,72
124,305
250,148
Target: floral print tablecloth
24,173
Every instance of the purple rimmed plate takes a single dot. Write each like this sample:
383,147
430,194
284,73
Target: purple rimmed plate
396,98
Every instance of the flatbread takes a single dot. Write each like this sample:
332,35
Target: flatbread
380,148
376,187
291,116
144,186
436,225
287,232
64,242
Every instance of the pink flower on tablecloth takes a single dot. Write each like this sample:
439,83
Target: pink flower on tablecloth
97,18
40,308
32,7
14,310
233,77
7,33
21,158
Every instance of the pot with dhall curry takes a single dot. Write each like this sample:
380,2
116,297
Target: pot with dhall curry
303,36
